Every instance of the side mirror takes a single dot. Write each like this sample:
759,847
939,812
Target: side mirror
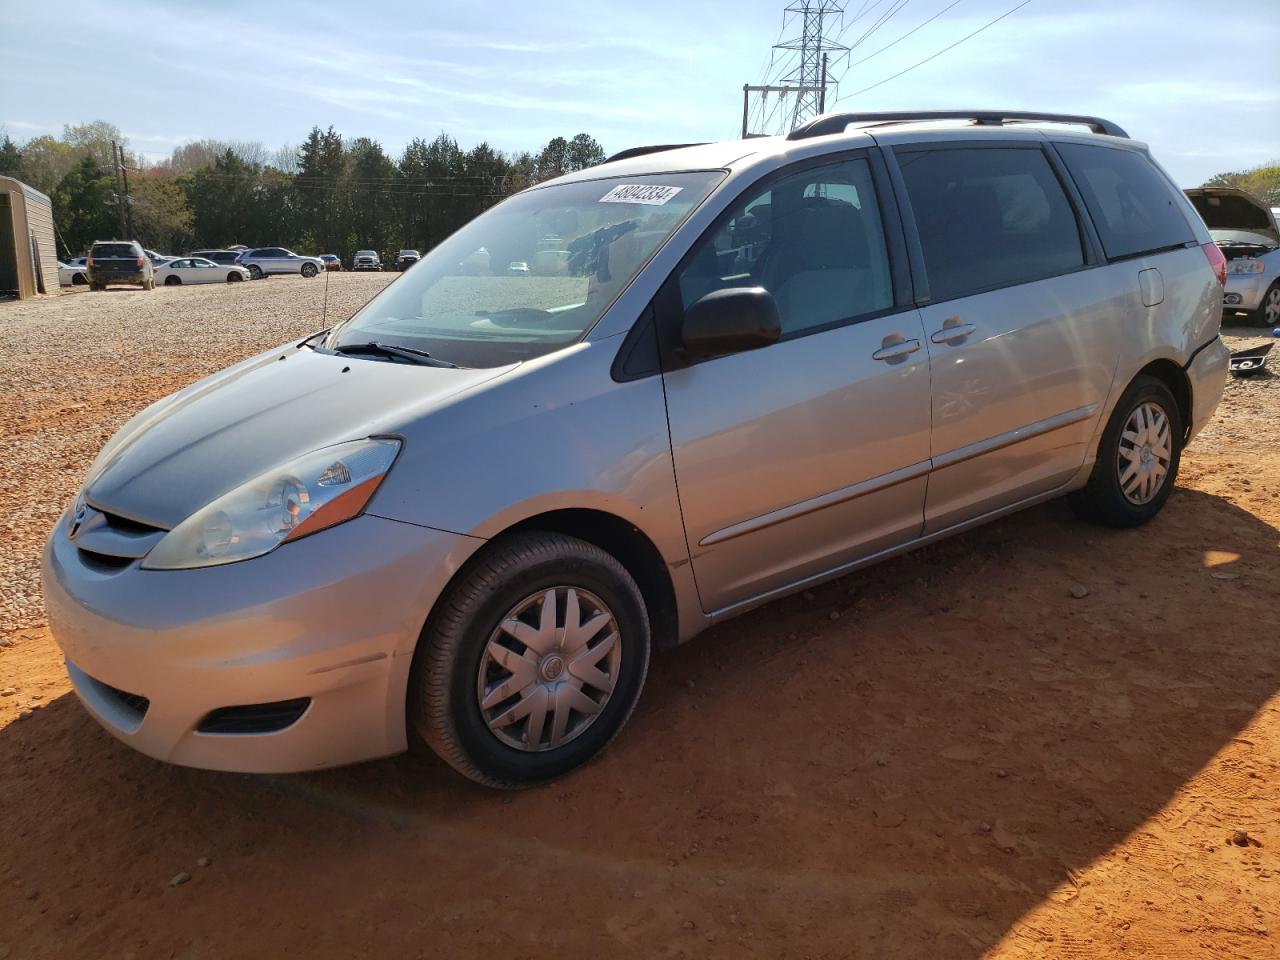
731,320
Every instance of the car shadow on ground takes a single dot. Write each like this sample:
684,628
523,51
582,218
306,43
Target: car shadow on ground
903,762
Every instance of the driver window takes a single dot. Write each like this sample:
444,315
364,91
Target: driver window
814,240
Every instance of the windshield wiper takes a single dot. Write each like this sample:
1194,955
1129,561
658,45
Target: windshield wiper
390,350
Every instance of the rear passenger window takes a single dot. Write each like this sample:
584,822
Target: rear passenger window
814,240
989,218
1132,206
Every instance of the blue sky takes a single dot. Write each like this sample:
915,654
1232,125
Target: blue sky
1201,86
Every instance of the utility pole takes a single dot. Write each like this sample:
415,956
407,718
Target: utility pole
811,55
121,190
128,200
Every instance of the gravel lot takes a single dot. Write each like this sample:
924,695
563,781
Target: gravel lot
1036,739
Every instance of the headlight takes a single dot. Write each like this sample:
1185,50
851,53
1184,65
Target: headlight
312,493
1245,265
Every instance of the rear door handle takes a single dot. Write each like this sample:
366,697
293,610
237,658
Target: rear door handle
955,332
895,351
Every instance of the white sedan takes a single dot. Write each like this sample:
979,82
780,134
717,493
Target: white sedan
74,273
198,270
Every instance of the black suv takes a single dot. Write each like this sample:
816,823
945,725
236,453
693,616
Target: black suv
119,261
228,257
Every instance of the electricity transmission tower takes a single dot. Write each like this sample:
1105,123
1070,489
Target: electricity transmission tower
801,90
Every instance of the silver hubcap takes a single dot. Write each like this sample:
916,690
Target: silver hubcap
1145,453
549,668
1271,310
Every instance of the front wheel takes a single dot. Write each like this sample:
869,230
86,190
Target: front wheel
532,661
234,277
255,272
1268,312
309,270
78,280
1137,459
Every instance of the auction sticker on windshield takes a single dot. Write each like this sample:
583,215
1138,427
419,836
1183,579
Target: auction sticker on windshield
650,193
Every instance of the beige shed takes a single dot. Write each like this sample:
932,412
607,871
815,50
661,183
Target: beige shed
28,257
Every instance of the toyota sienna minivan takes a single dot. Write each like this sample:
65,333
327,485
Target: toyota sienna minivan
466,515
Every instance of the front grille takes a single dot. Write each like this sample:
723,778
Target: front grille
125,525
131,701
256,717
104,562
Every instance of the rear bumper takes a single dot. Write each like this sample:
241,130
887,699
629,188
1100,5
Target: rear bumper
117,276
1207,373
333,618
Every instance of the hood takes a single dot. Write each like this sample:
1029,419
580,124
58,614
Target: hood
1226,208
190,448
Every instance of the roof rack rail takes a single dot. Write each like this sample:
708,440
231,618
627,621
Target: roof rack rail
655,148
836,122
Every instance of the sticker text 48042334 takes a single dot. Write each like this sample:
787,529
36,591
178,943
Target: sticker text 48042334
650,193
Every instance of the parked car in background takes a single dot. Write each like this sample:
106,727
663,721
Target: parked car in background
519,267
265,261
331,261
70,274
366,260
1246,230
119,261
467,514
406,259
198,270
226,257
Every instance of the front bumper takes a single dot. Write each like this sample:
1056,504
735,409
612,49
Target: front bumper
334,617
1244,291
1208,375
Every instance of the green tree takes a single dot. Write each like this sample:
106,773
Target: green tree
84,206
160,212
583,152
10,159
45,161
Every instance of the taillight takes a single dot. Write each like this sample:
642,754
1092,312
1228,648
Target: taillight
88,261
1216,260
140,266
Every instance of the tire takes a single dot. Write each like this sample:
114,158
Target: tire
97,286
255,272
233,277
454,662
172,281
309,270
78,280
1104,500
1268,312
148,284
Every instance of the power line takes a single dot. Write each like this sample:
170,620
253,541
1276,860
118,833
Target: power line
990,23
925,23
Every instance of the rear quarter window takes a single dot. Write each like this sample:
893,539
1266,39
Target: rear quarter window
1132,206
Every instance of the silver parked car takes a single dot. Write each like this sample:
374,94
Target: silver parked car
1245,229
265,261
366,260
469,513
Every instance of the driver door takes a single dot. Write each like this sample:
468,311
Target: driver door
805,456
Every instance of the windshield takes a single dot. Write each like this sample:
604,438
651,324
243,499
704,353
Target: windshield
532,274
114,250
1242,236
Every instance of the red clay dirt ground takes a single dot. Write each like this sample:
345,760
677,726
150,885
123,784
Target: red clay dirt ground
948,755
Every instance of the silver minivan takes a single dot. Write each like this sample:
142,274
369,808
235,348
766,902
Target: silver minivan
467,514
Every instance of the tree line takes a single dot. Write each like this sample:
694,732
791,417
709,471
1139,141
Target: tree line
331,194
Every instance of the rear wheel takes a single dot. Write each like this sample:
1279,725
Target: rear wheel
309,270
172,281
1137,459
1268,312
148,284
97,286
532,662
255,272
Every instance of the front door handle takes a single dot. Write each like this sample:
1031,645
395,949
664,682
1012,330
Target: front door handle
896,351
951,332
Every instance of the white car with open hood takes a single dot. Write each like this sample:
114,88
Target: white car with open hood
1245,229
